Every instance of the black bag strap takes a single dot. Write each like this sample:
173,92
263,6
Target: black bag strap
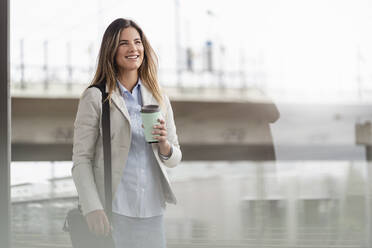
106,139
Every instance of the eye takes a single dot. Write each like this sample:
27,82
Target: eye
123,43
138,42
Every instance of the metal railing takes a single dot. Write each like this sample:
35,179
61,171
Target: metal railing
37,80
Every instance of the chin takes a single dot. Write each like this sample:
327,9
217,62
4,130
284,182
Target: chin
131,68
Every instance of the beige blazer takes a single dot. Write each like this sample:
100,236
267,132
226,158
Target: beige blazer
88,169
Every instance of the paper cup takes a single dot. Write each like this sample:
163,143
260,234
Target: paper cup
150,115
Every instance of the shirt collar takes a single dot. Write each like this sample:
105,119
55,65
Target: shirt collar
123,90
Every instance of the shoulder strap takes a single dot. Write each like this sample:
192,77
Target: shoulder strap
106,137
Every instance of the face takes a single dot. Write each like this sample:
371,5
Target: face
129,55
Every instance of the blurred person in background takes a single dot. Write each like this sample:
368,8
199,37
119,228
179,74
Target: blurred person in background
127,65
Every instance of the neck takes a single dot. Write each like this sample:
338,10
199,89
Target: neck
128,79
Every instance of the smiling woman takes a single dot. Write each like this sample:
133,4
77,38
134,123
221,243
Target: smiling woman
127,69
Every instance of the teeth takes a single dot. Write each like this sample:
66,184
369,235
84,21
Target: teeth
132,57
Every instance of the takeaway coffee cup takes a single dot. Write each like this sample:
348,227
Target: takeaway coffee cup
150,115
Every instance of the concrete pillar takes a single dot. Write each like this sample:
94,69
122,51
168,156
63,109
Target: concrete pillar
260,206
4,126
292,220
363,136
368,202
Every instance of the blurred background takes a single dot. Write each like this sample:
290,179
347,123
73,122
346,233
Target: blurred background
273,106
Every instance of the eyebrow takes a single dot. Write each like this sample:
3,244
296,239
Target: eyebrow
134,39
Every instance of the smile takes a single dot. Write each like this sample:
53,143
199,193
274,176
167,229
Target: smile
132,57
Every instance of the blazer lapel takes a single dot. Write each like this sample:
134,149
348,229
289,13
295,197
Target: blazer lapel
119,102
147,97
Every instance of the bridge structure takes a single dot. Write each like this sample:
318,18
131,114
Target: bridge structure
214,122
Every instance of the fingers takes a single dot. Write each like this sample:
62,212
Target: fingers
102,226
161,137
161,126
98,223
99,227
94,227
161,130
106,226
90,218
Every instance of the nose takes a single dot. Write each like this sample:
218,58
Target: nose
132,47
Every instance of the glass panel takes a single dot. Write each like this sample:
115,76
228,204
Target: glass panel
271,101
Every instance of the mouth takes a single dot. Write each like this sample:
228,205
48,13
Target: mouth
132,57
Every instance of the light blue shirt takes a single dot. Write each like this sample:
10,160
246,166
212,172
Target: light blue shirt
140,192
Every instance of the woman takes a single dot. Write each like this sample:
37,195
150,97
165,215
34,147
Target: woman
127,65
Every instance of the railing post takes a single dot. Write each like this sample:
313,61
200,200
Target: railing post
178,42
69,67
45,67
5,210
22,66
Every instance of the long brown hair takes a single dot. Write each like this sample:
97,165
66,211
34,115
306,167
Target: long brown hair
107,68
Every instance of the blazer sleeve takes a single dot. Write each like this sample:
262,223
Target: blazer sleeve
86,129
176,155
